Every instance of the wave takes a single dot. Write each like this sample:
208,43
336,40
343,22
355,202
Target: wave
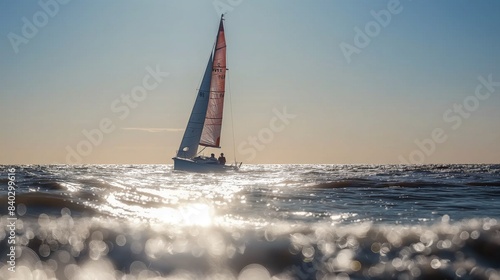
347,183
36,203
367,183
47,184
55,185
484,184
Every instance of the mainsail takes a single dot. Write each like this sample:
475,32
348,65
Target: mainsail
210,136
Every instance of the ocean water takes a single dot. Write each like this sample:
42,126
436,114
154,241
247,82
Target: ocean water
263,222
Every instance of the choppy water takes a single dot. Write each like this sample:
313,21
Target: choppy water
266,221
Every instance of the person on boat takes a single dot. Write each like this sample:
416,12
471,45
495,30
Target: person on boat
212,158
222,159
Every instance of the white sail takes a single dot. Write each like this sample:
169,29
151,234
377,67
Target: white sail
192,135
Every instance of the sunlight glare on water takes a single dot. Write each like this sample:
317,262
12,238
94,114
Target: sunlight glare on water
195,214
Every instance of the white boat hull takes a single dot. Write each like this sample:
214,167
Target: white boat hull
191,165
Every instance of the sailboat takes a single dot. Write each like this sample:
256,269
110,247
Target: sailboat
205,123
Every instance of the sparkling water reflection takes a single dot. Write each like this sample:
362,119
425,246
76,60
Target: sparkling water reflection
265,222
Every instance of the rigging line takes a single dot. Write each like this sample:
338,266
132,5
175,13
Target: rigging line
232,118
204,147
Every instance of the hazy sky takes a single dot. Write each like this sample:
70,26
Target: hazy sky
311,81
